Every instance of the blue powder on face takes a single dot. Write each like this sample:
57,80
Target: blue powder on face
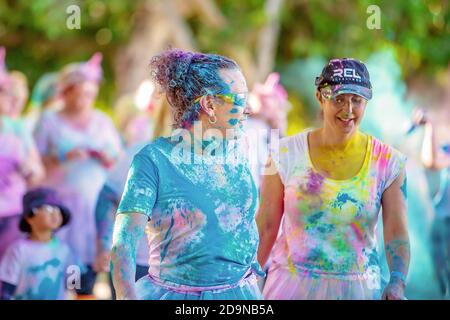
233,122
234,110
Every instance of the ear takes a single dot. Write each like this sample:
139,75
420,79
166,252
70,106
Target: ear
207,105
320,100
28,219
319,96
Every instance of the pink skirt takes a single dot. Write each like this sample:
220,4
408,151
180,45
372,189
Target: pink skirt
284,284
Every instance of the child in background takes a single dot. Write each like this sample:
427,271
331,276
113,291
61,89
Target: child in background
35,267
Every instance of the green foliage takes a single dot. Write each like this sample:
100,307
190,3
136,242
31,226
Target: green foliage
38,40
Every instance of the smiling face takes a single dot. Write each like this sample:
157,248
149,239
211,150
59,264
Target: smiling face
344,113
80,96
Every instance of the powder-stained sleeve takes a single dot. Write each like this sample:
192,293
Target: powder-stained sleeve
280,155
141,187
395,165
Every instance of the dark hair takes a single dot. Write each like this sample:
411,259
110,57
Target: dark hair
37,197
185,76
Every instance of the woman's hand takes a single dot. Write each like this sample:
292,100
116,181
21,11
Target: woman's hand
420,117
395,290
32,168
396,238
102,157
77,154
102,261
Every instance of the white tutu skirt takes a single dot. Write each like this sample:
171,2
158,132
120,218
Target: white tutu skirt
284,284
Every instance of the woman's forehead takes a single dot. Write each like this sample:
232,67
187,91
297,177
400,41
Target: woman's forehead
234,79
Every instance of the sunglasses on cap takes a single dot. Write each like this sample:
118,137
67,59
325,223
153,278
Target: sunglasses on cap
339,101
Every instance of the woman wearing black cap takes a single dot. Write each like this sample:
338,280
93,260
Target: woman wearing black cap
330,184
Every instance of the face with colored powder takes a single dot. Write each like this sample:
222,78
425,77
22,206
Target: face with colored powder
230,107
343,113
80,96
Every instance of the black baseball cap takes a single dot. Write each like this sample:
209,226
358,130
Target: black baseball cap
345,75
36,198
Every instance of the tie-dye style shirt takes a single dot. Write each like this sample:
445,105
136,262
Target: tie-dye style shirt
38,270
202,230
329,225
15,144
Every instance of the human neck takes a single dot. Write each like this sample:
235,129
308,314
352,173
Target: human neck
198,141
339,142
75,113
41,236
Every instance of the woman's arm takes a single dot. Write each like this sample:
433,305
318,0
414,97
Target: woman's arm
33,169
432,157
269,213
128,231
396,238
105,210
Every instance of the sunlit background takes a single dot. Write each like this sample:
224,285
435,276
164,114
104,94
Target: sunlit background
407,57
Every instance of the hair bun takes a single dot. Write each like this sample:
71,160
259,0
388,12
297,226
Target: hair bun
170,68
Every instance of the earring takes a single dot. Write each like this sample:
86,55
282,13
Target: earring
212,121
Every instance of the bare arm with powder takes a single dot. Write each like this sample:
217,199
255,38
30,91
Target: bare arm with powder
270,212
432,157
128,231
396,238
134,211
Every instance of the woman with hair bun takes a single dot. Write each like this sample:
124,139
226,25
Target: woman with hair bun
202,232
